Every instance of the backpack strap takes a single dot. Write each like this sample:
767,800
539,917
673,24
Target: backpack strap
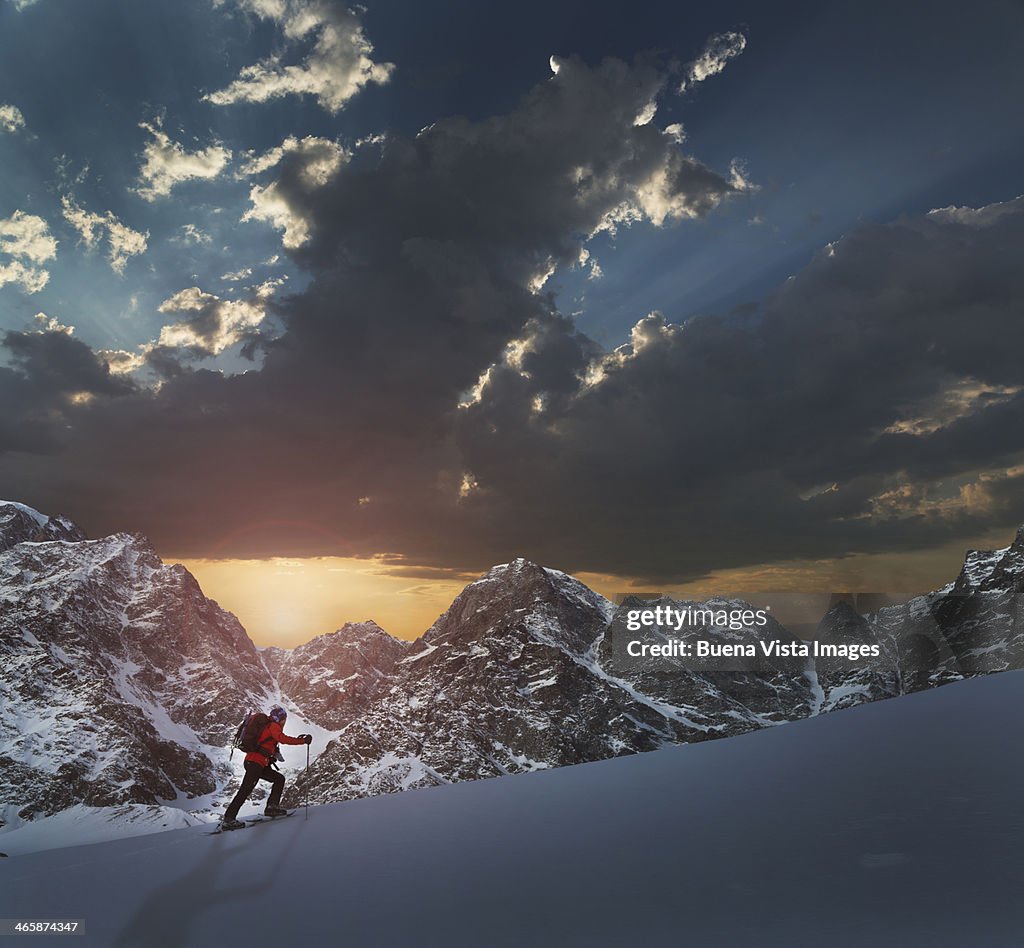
264,740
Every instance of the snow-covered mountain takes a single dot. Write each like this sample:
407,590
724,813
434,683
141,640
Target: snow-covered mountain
893,824
870,679
119,677
19,523
522,674
517,676
974,625
335,676
121,682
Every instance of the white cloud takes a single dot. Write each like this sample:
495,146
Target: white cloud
49,324
166,163
26,243
315,162
975,217
660,199
11,119
719,49
28,236
190,234
320,159
211,324
269,206
21,4
122,241
122,362
237,275
335,69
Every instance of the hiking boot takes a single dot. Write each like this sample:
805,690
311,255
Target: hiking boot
232,825
275,811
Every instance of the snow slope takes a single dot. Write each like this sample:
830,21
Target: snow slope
90,824
897,823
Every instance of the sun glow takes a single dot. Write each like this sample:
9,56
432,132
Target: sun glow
285,601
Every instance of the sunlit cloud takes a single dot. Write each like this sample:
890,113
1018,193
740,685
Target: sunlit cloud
11,119
166,163
122,241
210,324
337,67
25,244
190,234
716,55
312,163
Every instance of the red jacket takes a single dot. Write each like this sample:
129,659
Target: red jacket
273,734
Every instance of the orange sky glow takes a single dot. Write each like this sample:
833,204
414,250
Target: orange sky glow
286,601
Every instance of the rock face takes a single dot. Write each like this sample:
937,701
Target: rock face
19,524
117,673
731,696
121,683
519,675
523,672
845,684
505,681
336,676
980,615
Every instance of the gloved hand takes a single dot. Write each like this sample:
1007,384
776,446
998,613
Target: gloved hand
308,738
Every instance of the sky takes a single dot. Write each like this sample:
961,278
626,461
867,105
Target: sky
342,305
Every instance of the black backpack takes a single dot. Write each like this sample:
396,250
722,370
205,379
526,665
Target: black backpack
247,736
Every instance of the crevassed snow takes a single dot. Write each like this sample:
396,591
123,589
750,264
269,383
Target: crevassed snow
894,823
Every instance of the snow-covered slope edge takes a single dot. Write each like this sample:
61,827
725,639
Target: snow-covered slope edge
895,823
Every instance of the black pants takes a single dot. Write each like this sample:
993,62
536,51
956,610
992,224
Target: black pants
253,773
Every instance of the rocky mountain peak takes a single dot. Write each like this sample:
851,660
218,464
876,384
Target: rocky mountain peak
20,523
360,631
332,677
523,597
843,623
993,570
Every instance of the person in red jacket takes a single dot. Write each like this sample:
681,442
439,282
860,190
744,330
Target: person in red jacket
258,767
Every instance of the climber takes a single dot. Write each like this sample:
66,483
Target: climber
259,766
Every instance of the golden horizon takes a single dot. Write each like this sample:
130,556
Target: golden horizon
288,601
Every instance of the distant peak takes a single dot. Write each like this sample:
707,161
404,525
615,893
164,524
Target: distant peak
367,625
518,565
20,523
31,512
842,605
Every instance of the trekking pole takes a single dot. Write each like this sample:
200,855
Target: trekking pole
307,783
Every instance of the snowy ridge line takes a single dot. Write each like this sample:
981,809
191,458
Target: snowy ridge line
39,518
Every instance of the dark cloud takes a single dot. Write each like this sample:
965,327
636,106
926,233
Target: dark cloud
49,373
884,367
426,400
52,362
